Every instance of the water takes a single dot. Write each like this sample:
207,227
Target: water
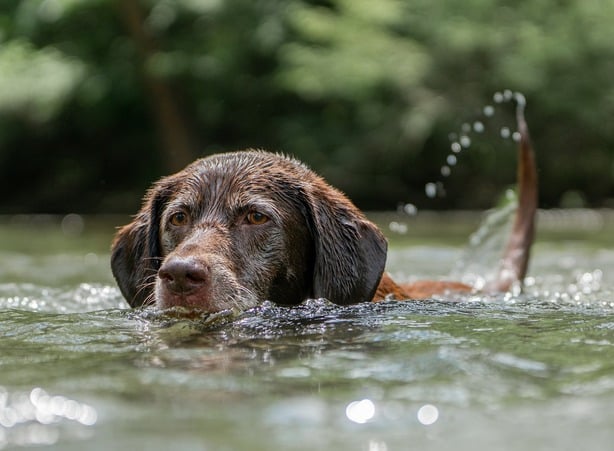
461,141
78,369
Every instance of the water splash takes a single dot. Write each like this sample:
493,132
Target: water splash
434,189
479,262
461,141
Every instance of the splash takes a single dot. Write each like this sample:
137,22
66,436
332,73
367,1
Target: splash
462,140
514,222
479,262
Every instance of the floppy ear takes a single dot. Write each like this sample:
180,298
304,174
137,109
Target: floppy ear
350,251
135,252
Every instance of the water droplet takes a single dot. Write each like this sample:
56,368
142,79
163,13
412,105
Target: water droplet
516,136
498,97
465,141
428,414
478,127
466,127
398,227
446,171
451,160
456,147
410,209
520,99
505,132
377,446
507,95
72,224
489,110
90,259
360,411
430,189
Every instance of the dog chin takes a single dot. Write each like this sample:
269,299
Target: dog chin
204,302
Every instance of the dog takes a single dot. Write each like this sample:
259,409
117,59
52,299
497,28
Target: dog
235,229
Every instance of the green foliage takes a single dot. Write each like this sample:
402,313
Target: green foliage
39,80
95,105
332,59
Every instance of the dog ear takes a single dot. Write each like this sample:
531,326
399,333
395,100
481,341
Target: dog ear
135,252
350,251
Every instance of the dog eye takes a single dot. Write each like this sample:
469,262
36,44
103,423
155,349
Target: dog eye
256,218
179,219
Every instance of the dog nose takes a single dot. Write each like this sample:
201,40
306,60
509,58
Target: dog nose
181,275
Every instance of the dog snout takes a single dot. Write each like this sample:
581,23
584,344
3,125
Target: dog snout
184,275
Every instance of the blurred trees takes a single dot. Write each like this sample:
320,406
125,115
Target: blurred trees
99,98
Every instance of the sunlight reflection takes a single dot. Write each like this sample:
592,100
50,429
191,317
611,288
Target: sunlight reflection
428,414
31,418
360,411
398,227
49,408
377,446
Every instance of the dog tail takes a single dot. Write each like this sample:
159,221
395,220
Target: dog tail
515,260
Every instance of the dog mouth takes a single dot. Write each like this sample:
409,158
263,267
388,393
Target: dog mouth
220,292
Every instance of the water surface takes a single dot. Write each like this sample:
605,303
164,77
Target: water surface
532,370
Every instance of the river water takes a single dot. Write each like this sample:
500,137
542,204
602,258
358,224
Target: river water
531,370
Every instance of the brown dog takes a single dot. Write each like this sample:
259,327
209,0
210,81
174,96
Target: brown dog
235,229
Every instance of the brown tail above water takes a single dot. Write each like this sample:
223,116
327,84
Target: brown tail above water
517,252
515,259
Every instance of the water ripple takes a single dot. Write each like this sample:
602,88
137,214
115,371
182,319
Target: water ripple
85,297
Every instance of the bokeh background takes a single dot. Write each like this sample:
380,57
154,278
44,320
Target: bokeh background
98,98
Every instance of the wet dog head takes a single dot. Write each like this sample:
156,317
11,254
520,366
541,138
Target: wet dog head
235,229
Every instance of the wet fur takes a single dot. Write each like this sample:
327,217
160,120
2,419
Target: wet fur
316,244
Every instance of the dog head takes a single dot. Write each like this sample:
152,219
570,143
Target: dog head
235,229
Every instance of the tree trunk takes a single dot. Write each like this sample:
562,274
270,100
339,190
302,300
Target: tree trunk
177,144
